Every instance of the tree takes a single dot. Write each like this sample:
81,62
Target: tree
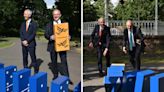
136,9
161,10
95,9
90,13
11,12
8,16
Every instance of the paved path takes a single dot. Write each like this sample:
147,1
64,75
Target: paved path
93,83
13,56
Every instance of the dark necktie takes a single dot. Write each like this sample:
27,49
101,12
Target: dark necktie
100,32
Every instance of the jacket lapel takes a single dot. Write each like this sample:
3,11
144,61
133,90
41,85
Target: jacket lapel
29,27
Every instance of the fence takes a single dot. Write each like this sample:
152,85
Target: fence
117,26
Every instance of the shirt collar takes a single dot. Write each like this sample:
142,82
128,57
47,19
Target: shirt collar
58,22
29,20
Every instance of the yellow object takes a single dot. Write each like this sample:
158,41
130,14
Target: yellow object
61,32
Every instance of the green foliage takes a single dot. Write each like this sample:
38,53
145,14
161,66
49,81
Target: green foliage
8,16
136,9
40,13
90,13
161,10
11,15
94,10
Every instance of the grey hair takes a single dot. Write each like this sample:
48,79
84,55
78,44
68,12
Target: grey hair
56,10
30,12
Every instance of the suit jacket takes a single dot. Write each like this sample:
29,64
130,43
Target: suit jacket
137,35
104,39
48,32
30,34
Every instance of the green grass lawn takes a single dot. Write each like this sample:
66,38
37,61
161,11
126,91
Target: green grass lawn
153,54
7,42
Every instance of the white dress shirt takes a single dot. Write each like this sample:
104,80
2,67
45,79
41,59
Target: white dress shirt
28,22
58,22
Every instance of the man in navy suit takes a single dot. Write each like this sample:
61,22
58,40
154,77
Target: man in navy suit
133,43
27,35
100,38
49,35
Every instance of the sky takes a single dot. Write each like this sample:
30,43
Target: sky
115,2
50,3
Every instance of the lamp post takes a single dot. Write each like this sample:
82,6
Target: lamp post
106,12
156,17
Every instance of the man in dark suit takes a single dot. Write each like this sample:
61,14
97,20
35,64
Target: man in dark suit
49,35
100,38
27,35
133,41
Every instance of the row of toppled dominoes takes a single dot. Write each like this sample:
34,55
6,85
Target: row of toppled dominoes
117,80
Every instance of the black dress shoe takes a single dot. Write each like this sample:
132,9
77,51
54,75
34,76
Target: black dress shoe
36,70
70,82
55,77
101,74
30,66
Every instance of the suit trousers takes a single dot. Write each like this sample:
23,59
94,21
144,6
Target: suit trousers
31,51
100,50
64,65
134,57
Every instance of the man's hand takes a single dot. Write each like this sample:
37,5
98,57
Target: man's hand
52,37
105,51
91,45
99,43
124,50
69,37
138,41
25,43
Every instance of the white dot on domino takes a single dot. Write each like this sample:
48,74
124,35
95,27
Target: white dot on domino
15,69
7,89
7,72
61,87
21,76
28,84
67,82
63,90
11,76
7,83
41,85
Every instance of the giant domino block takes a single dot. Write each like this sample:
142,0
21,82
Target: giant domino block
129,81
60,84
1,65
21,80
113,80
6,78
38,82
115,70
77,88
112,84
142,81
156,83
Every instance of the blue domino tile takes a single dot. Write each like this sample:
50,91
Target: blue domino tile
6,77
60,84
21,80
157,82
38,82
